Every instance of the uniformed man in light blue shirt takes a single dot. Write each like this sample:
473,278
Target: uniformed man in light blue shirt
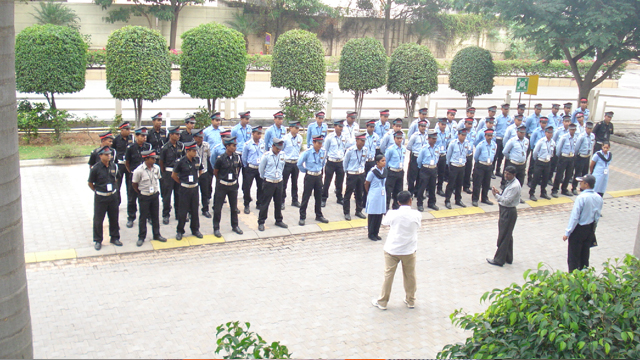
292,146
491,113
452,124
468,168
566,153
335,145
275,131
382,125
456,159
583,109
413,128
388,138
537,134
428,161
317,128
253,150
351,128
354,161
534,119
516,154
471,111
584,145
212,132
395,162
489,124
442,143
502,122
484,157
415,144
542,155
555,119
311,163
512,129
242,131
372,143
271,168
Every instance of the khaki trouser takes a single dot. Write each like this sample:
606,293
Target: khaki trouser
408,275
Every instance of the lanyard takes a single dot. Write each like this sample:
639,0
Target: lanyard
359,158
319,127
400,153
571,145
339,141
151,174
370,147
461,147
522,145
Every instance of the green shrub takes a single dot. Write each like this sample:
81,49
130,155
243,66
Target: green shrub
332,64
50,59
259,62
58,120
31,117
303,109
213,63
203,117
413,72
96,58
138,66
65,151
558,315
240,343
363,67
472,72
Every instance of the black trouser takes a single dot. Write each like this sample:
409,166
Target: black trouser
481,181
506,224
468,170
331,168
149,207
554,164
530,169
499,155
597,147
580,242
312,183
188,204
132,197
541,173
373,224
122,173
355,183
251,174
105,205
231,193
393,187
367,166
442,169
456,175
427,183
581,168
204,182
270,191
412,175
169,186
564,173
520,172
529,174
290,170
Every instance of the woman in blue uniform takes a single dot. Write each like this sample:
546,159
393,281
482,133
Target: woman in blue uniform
376,196
600,168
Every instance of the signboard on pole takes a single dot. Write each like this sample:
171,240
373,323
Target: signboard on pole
532,89
522,84
267,39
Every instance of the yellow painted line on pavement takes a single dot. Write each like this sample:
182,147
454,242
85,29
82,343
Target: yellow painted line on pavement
207,239
30,258
444,213
623,171
356,223
55,255
553,201
171,243
620,193
335,225
470,210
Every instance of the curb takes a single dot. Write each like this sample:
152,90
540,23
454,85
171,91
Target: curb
624,141
187,241
52,162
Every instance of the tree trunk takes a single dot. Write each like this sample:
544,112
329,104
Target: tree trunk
50,100
174,27
387,23
53,101
137,108
410,105
469,100
584,89
211,105
358,98
15,331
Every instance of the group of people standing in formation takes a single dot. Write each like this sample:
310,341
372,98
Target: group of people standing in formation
157,163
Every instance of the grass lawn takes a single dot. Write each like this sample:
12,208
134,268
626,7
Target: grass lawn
28,152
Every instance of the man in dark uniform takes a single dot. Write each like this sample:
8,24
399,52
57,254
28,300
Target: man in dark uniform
103,179
133,159
206,178
106,139
226,170
271,168
186,173
157,135
146,182
170,153
186,135
121,143
603,131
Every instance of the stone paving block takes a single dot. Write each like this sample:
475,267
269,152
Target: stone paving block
247,235
273,232
357,222
335,225
91,251
206,239
130,246
489,208
55,255
426,215
308,228
553,201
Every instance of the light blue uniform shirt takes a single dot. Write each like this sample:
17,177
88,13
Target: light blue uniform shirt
395,156
532,122
555,120
313,130
501,125
382,129
252,152
516,149
413,128
457,152
377,196
335,146
558,133
271,165
212,136
585,143
444,137
461,124
387,141
585,112
273,133
601,171
482,124
586,209
216,152
480,137
312,160
544,149
372,142
417,142
471,136
535,136
354,159
429,155
452,127
509,133
566,145
242,134
485,152
292,146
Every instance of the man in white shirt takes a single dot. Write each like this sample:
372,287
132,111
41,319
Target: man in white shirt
401,246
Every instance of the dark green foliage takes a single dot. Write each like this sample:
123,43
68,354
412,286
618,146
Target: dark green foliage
303,109
56,13
240,343
31,116
213,63
412,72
298,63
50,59
558,315
472,72
138,66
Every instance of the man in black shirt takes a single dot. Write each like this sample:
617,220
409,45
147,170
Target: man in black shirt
157,135
186,135
106,139
103,179
120,143
226,171
186,172
133,159
603,131
170,153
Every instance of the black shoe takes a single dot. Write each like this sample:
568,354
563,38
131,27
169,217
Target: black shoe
378,237
420,208
566,193
509,262
257,207
216,233
347,217
373,238
206,214
554,194
441,193
461,204
129,223
322,219
493,176
295,204
140,242
281,224
468,191
521,201
282,206
165,220
116,242
301,222
360,215
247,210
237,211
545,196
487,201
323,203
493,262
532,197
237,230
97,246
498,173
261,227
447,204
434,207
198,234
160,238
474,203
340,201
550,183
179,236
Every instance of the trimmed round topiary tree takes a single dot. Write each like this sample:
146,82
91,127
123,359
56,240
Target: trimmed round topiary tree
413,72
472,72
363,67
138,66
50,59
213,64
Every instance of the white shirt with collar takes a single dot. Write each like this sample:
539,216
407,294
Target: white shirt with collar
403,235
